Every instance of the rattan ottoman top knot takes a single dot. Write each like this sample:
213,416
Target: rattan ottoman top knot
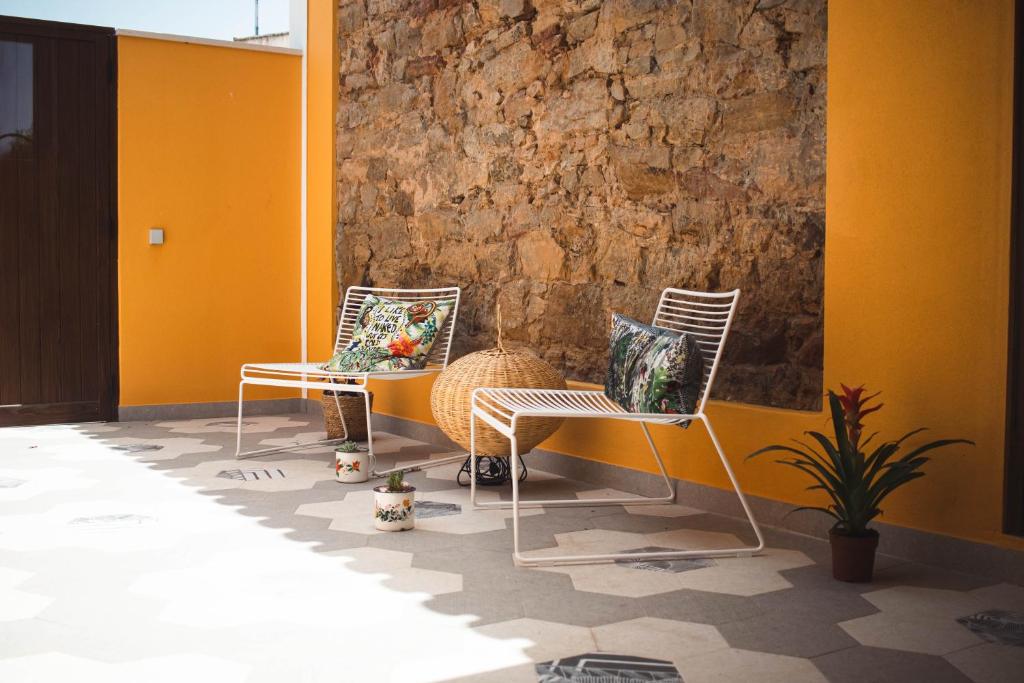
451,397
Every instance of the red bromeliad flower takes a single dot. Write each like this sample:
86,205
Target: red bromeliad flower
854,410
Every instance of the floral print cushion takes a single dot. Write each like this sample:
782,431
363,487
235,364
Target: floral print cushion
651,369
391,335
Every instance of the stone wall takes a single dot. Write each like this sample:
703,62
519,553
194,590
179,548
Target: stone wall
573,157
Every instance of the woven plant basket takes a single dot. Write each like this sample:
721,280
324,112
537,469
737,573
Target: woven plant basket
354,409
451,397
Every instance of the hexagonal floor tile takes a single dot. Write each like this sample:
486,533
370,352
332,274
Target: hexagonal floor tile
400,574
355,513
730,665
450,471
258,475
161,449
260,424
659,638
20,484
54,666
660,510
990,663
733,575
542,640
925,619
17,604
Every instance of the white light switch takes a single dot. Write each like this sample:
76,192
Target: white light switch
156,235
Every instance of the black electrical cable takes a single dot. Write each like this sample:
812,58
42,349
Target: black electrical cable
490,471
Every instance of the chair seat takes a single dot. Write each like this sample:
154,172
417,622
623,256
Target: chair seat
501,405
314,373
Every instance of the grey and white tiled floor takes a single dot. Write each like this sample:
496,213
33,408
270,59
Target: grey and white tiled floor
142,552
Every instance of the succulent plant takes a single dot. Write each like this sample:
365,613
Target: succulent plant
396,482
348,447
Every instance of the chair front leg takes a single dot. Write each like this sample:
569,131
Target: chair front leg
239,455
736,485
668,498
472,458
516,505
514,460
369,431
671,497
341,415
238,434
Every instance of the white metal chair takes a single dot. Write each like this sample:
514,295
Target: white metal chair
313,376
707,317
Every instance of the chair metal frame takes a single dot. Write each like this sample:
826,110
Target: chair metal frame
707,317
313,376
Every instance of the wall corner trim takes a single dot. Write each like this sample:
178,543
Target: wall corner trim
209,42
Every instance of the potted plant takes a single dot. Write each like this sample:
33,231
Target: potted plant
856,481
352,408
349,464
394,504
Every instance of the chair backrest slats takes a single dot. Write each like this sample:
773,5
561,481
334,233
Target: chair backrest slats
355,296
705,316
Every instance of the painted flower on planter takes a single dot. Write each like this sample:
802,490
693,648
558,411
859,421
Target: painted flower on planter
393,513
348,467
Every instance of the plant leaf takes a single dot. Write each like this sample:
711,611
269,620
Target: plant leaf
828,462
777,448
832,491
802,508
941,443
830,449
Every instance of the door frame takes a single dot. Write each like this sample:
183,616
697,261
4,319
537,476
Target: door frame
107,354
1013,491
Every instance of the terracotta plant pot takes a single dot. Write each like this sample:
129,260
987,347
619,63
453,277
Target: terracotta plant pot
853,557
394,510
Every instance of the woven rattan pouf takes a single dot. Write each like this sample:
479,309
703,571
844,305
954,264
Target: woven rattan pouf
451,397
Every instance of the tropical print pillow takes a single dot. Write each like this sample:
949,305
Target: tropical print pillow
651,369
391,335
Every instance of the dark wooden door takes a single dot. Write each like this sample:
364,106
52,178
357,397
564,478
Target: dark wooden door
57,223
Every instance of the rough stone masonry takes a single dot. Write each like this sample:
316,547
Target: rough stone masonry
574,157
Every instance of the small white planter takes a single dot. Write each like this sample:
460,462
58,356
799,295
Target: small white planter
351,468
394,511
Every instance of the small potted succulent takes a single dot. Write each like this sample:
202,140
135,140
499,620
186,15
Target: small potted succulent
350,463
394,504
856,481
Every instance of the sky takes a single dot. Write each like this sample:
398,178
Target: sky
221,19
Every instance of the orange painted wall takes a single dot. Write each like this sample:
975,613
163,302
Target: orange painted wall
916,273
208,149
322,213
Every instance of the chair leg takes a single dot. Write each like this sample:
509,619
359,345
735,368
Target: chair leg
239,455
517,558
472,459
420,466
341,416
524,561
669,497
736,485
238,435
369,434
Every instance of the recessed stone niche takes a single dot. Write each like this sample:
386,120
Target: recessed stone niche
572,158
